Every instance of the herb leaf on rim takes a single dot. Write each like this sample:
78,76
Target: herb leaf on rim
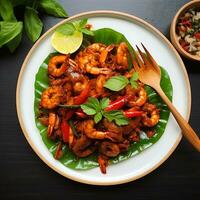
66,29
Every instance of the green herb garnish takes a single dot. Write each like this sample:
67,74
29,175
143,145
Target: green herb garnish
11,29
117,116
133,80
71,27
117,83
95,107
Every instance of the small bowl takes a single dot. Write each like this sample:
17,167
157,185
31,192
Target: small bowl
173,35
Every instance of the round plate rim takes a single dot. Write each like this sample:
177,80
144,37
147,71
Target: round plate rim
108,13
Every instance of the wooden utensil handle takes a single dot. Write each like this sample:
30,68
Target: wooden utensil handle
188,132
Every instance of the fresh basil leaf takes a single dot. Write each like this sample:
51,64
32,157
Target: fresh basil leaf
115,113
33,24
134,84
82,23
66,29
14,43
116,83
117,116
18,2
104,102
7,13
6,10
87,32
76,24
94,103
133,80
88,109
98,117
8,31
52,7
107,116
121,121
111,115
135,76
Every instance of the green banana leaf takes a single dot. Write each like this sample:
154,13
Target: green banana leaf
106,36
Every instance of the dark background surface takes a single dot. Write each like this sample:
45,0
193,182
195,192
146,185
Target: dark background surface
24,176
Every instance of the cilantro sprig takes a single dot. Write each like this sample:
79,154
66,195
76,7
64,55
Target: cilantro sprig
117,83
97,108
70,27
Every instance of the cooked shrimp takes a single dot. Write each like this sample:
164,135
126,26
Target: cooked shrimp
44,120
113,128
122,55
95,48
100,81
59,152
104,54
95,70
58,81
57,65
51,97
68,99
151,116
80,84
89,63
139,97
103,163
109,149
83,147
93,92
124,146
53,123
91,132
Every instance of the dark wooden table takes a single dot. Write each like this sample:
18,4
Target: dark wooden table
24,176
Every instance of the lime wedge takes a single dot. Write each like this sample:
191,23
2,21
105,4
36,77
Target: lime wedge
66,43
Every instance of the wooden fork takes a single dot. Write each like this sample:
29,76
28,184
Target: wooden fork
150,74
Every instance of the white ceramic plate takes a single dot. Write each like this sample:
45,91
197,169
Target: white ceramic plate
136,31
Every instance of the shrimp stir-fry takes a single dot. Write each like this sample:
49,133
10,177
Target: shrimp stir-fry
75,78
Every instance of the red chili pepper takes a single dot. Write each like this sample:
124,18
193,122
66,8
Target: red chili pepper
65,128
79,100
197,35
130,114
117,104
80,113
69,114
83,96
